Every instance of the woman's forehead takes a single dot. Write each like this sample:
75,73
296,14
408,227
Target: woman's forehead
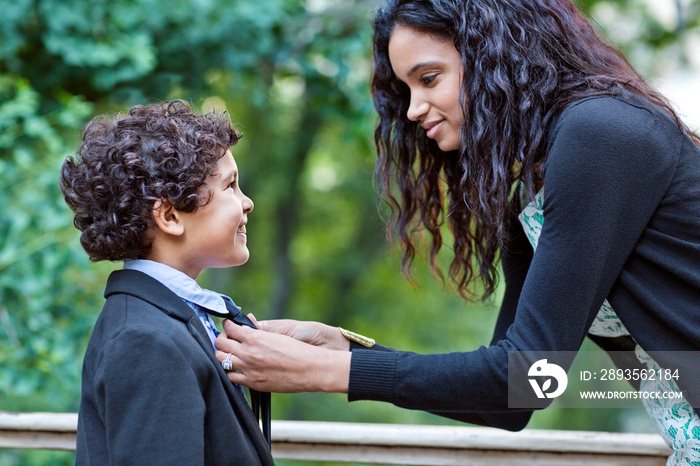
411,49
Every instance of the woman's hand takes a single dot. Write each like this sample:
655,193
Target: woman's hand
313,333
274,362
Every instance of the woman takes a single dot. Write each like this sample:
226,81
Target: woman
541,146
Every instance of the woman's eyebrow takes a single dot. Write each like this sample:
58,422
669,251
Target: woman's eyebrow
420,65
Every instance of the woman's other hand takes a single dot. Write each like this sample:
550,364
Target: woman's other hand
273,362
313,333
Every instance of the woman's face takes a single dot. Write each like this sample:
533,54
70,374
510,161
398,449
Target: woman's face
431,67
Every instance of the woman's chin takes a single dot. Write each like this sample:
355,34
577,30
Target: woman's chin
447,146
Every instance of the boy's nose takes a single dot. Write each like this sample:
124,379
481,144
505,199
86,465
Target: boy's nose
248,204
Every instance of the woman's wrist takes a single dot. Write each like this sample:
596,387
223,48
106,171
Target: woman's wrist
335,339
335,370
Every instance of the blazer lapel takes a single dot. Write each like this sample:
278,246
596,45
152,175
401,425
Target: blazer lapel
143,286
240,405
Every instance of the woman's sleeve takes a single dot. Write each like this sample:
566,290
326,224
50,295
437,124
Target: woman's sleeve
515,261
149,392
603,155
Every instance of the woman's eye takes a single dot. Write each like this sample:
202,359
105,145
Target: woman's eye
232,185
428,79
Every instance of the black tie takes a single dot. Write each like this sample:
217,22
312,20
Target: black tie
260,401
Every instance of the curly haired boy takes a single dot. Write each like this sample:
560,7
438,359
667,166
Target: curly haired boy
158,189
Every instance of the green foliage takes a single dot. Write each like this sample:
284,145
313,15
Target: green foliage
294,76
40,276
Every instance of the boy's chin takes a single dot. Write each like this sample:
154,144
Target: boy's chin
240,260
225,262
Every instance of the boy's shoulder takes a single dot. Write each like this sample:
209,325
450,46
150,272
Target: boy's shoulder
136,303
141,318
139,285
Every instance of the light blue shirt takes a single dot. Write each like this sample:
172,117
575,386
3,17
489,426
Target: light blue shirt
187,289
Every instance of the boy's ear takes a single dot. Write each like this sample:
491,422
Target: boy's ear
168,218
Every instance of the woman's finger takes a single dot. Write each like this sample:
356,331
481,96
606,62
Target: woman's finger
235,363
235,331
221,355
254,320
238,377
227,345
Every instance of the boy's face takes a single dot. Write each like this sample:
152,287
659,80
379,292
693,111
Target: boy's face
215,235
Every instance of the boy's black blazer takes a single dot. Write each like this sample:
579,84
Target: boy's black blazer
152,390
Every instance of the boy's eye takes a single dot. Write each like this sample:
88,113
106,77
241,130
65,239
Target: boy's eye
232,185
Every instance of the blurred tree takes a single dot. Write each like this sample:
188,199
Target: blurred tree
41,275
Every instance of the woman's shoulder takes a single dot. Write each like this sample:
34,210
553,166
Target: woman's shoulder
627,103
620,124
609,114
606,140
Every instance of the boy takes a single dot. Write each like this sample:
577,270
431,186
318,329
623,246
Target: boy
158,189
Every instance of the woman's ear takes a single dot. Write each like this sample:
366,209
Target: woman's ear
168,218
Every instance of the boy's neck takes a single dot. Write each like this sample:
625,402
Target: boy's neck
172,258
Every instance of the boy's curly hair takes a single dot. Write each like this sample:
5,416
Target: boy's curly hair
127,163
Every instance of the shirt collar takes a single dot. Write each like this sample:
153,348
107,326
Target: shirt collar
182,285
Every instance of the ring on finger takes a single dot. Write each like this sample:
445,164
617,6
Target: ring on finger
227,364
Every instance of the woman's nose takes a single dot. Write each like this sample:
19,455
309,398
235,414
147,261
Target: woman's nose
417,108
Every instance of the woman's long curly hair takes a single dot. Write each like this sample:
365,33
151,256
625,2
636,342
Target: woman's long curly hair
523,61
126,164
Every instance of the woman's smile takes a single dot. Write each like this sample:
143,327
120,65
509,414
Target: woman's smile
432,128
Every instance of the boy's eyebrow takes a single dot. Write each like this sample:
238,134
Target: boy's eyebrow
230,176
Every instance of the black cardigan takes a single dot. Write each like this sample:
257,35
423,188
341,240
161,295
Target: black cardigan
622,221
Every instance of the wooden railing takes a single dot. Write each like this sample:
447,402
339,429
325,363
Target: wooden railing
393,444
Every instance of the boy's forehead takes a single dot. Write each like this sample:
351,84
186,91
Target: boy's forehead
226,166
